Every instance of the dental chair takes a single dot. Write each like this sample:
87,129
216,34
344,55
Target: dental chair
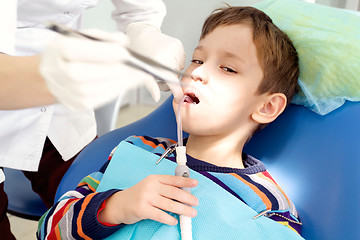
25,203
316,160
106,116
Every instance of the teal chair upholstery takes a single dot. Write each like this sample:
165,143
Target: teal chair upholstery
316,160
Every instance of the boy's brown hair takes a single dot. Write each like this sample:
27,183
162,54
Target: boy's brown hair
276,54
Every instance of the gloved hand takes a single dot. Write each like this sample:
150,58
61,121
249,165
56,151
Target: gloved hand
85,74
146,39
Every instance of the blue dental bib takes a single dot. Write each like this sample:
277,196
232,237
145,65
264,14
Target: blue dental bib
220,214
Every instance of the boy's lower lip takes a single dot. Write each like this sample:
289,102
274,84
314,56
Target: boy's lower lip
188,104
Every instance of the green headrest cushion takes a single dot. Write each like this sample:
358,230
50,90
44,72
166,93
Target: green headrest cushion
327,40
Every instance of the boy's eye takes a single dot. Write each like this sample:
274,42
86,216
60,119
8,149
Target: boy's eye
197,61
226,69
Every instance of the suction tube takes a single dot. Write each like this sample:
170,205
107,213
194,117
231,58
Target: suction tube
179,123
184,171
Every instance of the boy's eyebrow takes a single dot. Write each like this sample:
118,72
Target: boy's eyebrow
226,54
199,48
232,55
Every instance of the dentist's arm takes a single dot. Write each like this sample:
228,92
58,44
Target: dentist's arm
20,80
21,85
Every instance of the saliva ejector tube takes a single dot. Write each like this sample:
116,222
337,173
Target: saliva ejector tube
184,171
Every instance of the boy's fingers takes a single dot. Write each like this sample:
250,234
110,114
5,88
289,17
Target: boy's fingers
161,216
177,181
174,207
178,194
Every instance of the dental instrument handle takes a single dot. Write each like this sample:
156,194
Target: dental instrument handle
184,171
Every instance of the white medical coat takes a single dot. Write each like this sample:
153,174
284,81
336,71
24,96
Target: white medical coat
23,132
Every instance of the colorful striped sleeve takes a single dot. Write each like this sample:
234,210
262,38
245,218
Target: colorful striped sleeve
74,216
260,192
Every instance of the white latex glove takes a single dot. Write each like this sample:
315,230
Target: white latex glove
85,74
147,39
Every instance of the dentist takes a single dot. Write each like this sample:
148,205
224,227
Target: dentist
49,84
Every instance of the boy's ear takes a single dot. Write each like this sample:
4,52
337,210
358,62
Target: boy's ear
272,106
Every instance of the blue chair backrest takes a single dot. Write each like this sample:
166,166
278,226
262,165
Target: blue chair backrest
316,160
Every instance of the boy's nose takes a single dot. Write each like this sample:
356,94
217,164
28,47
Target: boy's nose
199,74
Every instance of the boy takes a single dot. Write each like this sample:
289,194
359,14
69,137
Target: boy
243,74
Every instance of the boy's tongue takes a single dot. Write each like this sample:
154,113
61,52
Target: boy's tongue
191,98
188,99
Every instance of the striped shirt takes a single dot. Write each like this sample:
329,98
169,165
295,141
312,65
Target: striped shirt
74,216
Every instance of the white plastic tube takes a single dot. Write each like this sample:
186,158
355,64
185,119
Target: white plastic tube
184,171
179,124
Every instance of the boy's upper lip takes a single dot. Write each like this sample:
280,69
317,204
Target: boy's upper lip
189,91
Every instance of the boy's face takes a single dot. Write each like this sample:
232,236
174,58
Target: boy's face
225,76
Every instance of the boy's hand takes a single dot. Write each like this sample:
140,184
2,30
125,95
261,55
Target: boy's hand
149,199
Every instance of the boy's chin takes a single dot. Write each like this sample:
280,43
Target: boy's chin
189,128
195,130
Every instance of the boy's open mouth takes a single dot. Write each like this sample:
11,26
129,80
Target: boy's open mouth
191,98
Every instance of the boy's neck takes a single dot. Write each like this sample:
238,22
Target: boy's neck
222,152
